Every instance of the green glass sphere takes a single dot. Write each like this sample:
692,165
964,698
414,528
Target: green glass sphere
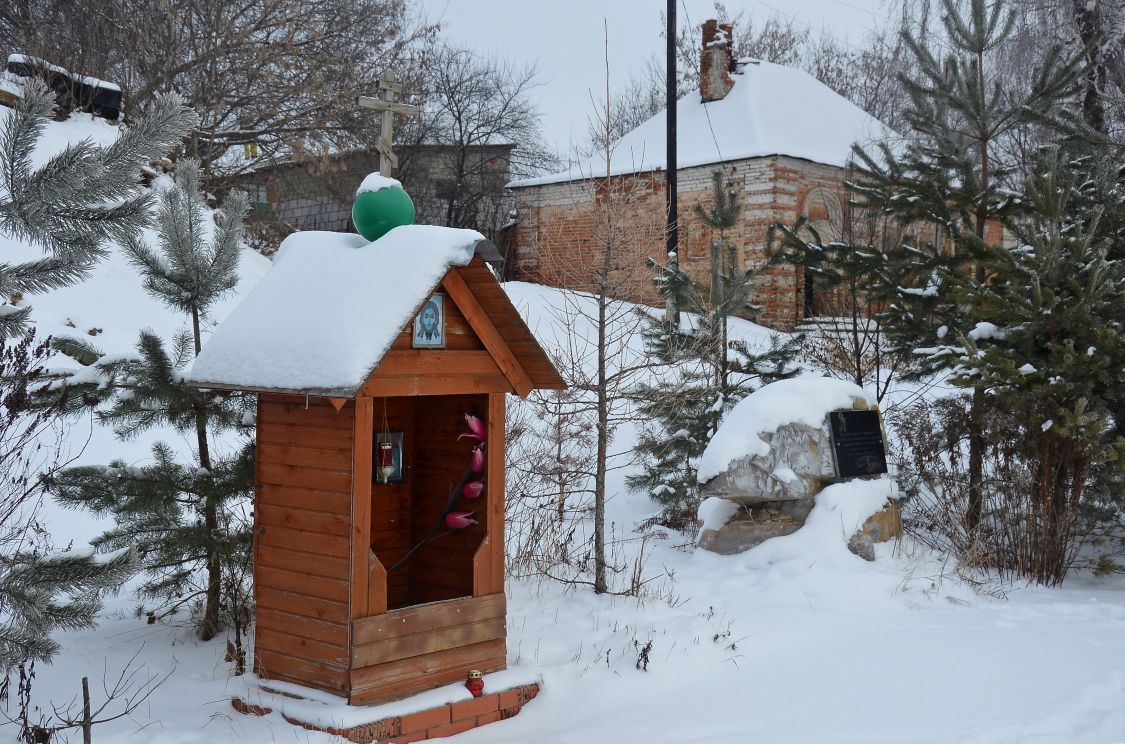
375,213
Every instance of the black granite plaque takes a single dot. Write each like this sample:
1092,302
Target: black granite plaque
857,440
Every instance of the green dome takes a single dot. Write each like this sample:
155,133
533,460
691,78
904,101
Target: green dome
375,213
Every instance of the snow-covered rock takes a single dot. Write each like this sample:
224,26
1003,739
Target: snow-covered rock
774,434
770,457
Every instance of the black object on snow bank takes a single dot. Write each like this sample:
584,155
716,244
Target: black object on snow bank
73,91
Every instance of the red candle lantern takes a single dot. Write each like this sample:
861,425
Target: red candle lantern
475,683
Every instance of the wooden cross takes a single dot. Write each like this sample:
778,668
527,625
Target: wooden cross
389,107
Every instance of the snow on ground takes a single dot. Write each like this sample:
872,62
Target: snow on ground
815,647
827,647
794,641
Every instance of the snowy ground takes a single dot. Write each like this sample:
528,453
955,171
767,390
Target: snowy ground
798,641
794,641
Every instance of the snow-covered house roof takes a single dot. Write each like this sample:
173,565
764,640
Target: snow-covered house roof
771,110
332,305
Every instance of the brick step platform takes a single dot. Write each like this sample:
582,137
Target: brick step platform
409,720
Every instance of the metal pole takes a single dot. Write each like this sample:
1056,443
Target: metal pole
671,170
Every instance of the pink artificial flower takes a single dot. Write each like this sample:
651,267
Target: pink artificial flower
459,520
476,428
476,462
473,489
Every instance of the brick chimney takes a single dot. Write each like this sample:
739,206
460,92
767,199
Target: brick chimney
715,61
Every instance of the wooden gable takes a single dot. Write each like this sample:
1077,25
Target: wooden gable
488,347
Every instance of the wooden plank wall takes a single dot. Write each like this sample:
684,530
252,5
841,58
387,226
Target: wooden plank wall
463,366
390,502
416,372
488,563
301,545
443,569
418,648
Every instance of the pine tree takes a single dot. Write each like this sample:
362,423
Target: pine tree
952,181
1100,191
179,517
40,594
40,590
76,202
1099,171
189,274
711,372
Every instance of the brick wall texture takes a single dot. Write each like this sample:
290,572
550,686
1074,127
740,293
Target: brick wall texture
561,227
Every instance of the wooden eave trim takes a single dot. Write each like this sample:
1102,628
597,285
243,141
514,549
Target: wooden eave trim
415,385
482,325
550,379
334,393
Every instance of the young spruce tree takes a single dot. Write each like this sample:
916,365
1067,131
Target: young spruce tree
178,516
710,372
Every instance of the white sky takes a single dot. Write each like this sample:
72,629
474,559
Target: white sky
565,38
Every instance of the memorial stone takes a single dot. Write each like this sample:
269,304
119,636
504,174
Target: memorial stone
857,443
781,446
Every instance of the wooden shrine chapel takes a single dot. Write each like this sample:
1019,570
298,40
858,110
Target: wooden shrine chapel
381,370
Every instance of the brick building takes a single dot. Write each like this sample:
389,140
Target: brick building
316,193
780,138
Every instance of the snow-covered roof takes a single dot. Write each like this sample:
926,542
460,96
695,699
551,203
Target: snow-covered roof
771,110
23,59
323,317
